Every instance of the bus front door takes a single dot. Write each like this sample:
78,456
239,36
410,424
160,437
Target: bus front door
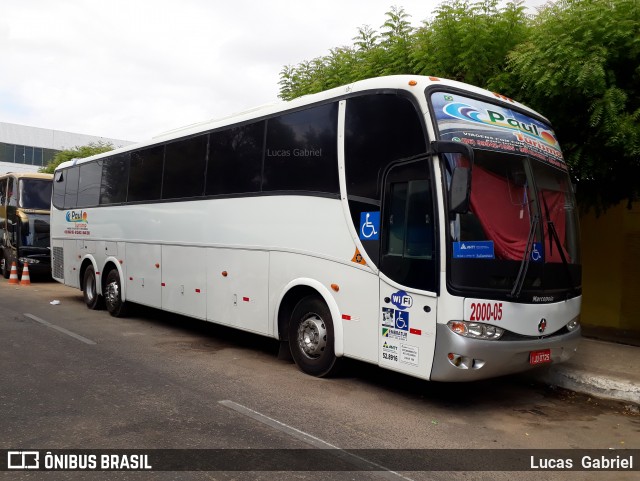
408,271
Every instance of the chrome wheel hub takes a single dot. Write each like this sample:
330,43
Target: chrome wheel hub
312,336
112,293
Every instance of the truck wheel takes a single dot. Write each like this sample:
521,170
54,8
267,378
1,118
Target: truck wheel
91,297
311,338
6,268
113,295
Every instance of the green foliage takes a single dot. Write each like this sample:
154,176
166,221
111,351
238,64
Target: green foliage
88,150
469,42
582,70
464,41
576,61
373,54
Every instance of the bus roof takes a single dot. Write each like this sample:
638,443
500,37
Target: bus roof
410,83
27,175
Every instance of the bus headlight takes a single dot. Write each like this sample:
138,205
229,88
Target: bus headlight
28,260
476,330
573,324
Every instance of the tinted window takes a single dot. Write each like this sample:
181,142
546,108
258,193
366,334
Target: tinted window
71,191
184,168
145,174
235,160
3,192
408,227
59,184
301,151
115,172
379,129
89,187
35,194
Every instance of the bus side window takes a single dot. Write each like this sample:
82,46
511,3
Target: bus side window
184,168
59,185
115,179
71,193
235,160
145,174
12,193
302,151
89,184
3,192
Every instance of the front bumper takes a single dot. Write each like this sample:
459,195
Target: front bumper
494,358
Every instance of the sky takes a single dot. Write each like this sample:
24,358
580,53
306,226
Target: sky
132,69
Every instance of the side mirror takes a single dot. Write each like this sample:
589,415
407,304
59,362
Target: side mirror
459,193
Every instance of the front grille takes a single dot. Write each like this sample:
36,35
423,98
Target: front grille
58,262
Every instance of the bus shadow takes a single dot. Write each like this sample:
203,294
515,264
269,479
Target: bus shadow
514,392
214,335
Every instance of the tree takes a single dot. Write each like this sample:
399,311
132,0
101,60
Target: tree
576,61
77,152
582,70
470,42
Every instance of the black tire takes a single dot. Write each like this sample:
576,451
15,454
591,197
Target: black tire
6,267
311,338
89,289
113,295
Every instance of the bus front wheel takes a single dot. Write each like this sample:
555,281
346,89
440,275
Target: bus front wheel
6,269
90,293
113,295
311,338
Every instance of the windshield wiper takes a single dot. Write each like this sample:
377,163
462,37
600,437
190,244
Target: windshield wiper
524,264
553,234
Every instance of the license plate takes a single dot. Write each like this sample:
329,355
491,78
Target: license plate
540,357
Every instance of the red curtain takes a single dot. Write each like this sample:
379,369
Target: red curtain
502,211
496,204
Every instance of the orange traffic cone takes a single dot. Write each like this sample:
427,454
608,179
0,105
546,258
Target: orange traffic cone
25,281
13,278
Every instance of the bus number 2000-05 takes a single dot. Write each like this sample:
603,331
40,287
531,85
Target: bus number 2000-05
486,311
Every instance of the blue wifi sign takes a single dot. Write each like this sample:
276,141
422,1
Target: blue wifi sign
401,300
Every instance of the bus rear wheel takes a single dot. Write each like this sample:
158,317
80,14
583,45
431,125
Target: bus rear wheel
113,295
90,293
311,338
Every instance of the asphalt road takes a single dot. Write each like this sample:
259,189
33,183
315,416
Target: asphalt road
79,379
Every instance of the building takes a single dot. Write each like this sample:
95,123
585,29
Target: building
26,149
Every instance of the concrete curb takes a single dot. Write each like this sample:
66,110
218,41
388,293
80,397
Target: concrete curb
602,386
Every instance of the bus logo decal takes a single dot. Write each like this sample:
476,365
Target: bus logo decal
76,216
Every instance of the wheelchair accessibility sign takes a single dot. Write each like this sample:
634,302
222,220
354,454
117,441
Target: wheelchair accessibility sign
369,226
536,252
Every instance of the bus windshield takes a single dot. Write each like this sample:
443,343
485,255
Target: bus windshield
522,214
35,194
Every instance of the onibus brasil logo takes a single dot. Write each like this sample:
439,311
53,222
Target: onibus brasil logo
77,216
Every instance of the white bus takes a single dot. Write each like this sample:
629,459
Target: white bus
420,224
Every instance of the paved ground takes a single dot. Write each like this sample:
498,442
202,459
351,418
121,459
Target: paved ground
74,378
